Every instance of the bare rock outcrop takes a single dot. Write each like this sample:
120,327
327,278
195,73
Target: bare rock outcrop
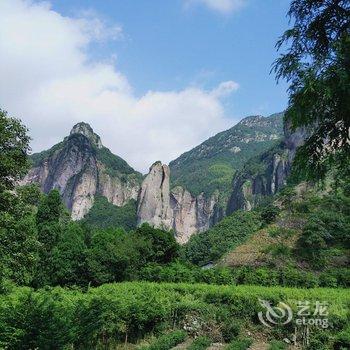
175,209
265,174
80,167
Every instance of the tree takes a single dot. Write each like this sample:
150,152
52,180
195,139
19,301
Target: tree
18,233
51,223
50,209
162,246
108,258
18,241
316,63
14,146
69,257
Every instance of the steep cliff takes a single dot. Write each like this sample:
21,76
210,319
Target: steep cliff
265,174
80,167
175,209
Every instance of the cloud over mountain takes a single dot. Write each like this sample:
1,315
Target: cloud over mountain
50,80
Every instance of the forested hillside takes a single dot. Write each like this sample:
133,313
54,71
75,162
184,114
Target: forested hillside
211,165
81,268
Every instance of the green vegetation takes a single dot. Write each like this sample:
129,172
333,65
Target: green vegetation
128,312
240,344
223,237
288,276
200,343
36,159
315,61
115,166
104,214
14,146
166,341
211,165
277,345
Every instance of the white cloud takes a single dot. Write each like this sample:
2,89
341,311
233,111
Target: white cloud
48,80
221,6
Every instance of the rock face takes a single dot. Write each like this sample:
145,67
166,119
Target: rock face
264,175
80,167
175,209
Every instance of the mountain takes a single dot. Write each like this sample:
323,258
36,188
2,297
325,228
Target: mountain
81,168
266,173
188,196
211,165
175,209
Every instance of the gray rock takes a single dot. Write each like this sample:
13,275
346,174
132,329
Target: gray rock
175,209
266,174
74,168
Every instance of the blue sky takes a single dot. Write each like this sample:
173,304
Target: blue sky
169,44
154,78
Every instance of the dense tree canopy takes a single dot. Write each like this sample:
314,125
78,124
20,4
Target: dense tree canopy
316,63
14,146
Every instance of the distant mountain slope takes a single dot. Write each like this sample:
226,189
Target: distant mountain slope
266,173
80,167
211,165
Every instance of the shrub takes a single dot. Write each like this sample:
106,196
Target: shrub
227,234
200,343
342,340
240,344
269,214
230,330
277,345
167,341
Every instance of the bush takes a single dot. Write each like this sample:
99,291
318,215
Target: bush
230,330
277,345
200,343
167,341
227,234
105,316
269,214
342,340
241,344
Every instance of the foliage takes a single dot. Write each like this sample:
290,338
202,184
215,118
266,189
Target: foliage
109,256
104,214
316,64
69,257
228,233
269,213
18,232
277,345
200,343
112,314
167,341
328,225
211,165
18,239
114,164
50,220
342,340
14,146
162,246
239,344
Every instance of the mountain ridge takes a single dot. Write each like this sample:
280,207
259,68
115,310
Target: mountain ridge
83,170
211,165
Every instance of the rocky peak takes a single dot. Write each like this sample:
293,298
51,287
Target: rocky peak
175,209
252,120
86,130
80,167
